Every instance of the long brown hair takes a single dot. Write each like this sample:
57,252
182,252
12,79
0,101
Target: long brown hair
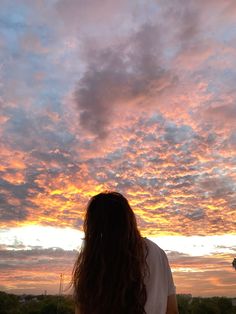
108,276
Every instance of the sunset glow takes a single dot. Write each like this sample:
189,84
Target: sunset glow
133,96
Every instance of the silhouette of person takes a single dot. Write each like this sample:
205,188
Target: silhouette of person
234,263
118,271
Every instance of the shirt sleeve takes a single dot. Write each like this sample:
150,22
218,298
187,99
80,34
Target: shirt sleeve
171,286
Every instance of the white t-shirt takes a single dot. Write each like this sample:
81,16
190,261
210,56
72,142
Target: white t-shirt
160,283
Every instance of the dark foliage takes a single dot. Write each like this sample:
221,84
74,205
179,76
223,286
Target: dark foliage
215,305
30,304
12,304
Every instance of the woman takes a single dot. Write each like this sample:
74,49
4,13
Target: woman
118,271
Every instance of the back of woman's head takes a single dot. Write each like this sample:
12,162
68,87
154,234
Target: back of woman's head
109,273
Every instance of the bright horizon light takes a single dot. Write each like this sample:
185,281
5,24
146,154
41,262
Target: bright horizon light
45,237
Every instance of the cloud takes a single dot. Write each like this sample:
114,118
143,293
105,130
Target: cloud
11,212
219,187
222,114
126,73
196,214
80,14
154,66
153,90
212,273
23,268
177,134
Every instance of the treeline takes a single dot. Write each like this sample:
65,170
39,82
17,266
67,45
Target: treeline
51,304
196,305
31,304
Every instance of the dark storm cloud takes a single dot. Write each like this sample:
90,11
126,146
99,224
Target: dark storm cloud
120,74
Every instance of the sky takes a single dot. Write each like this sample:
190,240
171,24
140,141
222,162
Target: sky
133,96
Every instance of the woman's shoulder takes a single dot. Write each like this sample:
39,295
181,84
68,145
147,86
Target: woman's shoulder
151,244
154,249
